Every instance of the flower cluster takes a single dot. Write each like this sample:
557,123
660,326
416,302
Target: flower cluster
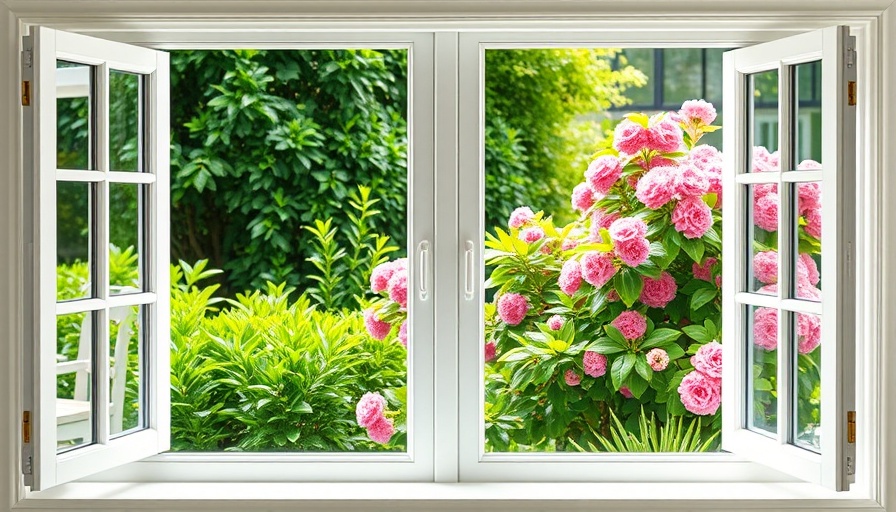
370,413
701,390
389,280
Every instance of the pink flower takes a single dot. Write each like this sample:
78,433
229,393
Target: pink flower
370,409
490,351
398,288
808,165
658,359
570,278
692,217
765,212
665,136
555,323
813,222
379,278
381,431
765,328
706,158
595,364
765,266
597,268
700,394
704,272
715,187
569,244
631,324
633,252
403,333
809,196
624,391
656,293
582,197
600,219
697,112
657,187
531,234
628,238
520,216
708,360
809,332
602,173
512,308
807,270
613,296
572,378
804,290
548,246
630,137
376,327
763,161
690,182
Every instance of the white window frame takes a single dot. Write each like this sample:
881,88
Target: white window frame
877,444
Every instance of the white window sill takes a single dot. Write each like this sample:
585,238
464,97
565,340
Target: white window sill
449,496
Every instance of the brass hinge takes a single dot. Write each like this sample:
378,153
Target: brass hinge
851,427
26,427
851,93
26,93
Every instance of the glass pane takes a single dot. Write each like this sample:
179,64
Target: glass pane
762,354
682,75
641,59
808,239
807,116
764,121
73,240
74,381
126,384
74,116
808,381
290,212
125,121
125,237
763,273
714,79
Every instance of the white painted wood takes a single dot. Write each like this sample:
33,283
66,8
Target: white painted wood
73,82
838,304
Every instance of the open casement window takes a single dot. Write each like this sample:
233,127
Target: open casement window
98,395
788,303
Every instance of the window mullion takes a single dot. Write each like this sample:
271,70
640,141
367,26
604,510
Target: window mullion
101,257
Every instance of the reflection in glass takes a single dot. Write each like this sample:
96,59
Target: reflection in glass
808,241
764,120
125,237
74,116
763,273
126,370
125,120
643,59
808,381
683,74
807,116
74,384
73,239
762,354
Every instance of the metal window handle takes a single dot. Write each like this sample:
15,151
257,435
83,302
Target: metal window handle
423,251
468,271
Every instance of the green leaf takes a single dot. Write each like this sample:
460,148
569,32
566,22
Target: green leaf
701,297
622,368
637,385
693,247
628,285
643,368
659,337
607,345
616,335
698,333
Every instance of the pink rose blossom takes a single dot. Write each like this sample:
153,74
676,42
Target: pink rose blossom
602,173
700,394
379,278
804,290
628,238
807,270
531,234
381,431
813,222
572,378
595,364
613,296
570,278
809,196
633,252
624,391
692,217
403,333
704,272
658,359
490,351
376,327
690,182
765,328
808,165
657,187
665,136
765,266
630,137
698,112
398,288
658,161
597,268
763,161
809,332
582,197
715,187
555,323
520,217
600,219
512,308
369,409
708,360
569,244
631,324
765,212
706,158
656,293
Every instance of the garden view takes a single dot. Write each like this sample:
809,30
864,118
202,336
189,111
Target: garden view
289,275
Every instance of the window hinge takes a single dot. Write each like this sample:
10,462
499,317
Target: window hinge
850,57
851,93
27,468
26,427
27,59
26,93
851,427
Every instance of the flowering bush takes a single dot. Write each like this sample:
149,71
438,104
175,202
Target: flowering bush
620,310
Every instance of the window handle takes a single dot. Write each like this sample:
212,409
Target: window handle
468,271
423,252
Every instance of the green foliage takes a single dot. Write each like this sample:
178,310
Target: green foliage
264,142
676,435
539,105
